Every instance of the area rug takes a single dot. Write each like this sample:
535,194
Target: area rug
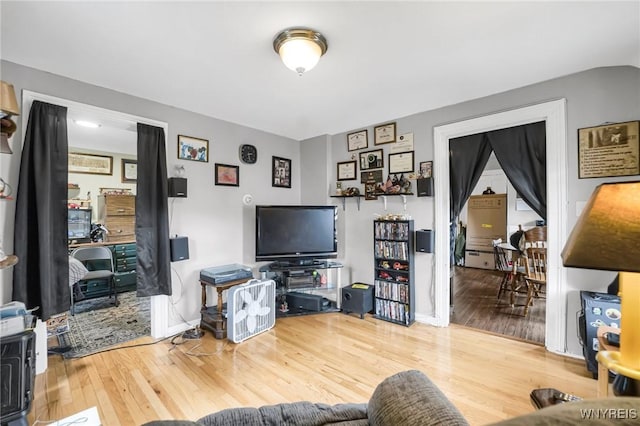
99,325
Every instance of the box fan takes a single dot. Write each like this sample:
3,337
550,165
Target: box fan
251,309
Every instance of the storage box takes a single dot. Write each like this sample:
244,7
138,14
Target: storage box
479,259
357,298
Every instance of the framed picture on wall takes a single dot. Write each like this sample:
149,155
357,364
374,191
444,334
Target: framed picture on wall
426,169
357,140
227,175
281,172
90,164
401,162
609,150
385,133
129,170
194,149
347,170
371,160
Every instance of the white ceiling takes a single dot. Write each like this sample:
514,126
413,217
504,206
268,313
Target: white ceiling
385,60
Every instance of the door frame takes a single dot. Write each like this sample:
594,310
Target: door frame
159,304
554,115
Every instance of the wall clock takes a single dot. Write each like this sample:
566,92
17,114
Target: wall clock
248,154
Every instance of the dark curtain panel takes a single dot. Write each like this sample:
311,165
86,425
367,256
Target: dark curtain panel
41,276
152,214
468,155
522,154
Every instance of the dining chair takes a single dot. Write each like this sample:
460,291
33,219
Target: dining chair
536,274
504,266
95,259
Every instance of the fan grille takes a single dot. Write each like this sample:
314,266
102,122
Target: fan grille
251,309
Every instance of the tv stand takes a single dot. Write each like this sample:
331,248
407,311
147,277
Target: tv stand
315,277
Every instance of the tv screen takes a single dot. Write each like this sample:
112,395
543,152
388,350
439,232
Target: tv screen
295,234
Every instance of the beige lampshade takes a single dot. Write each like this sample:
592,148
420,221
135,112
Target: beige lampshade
8,102
607,234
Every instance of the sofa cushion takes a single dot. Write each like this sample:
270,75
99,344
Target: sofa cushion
410,398
296,413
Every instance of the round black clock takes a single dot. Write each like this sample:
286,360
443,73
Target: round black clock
248,154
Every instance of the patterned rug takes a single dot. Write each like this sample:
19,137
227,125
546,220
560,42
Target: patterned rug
98,324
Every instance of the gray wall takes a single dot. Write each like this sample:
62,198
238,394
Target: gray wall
594,97
219,226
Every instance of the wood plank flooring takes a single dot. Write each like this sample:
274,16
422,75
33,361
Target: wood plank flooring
330,358
476,306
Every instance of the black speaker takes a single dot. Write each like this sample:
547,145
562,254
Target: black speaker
425,187
358,300
306,302
179,248
424,240
178,187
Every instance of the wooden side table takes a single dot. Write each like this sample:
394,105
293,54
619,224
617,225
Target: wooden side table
603,371
212,318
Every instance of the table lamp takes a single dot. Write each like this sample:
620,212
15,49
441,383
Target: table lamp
607,236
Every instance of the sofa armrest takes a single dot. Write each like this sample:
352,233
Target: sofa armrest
409,397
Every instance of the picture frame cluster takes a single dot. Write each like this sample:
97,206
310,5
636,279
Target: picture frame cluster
196,149
389,151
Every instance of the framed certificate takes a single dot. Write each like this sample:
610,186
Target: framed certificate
385,133
401,162
347,170
357,140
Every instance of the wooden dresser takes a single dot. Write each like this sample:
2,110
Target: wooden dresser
118,214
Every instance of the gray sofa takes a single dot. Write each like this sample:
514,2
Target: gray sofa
410,398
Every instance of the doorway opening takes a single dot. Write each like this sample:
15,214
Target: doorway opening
118,122
479,298
554,115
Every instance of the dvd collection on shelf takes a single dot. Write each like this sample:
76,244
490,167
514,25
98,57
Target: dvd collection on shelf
393,310
394,271
389,230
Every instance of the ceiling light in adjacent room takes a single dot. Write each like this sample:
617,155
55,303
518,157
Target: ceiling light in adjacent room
89,124
300,48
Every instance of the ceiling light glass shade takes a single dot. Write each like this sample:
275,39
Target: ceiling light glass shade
300,48
8,102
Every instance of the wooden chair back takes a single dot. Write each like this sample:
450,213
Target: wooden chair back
536,264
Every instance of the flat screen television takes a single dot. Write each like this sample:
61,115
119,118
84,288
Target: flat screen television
296,235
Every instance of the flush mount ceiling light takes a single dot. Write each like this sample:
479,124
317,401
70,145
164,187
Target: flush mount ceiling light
85,123
300,48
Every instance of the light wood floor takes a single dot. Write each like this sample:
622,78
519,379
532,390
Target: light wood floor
330,358
476,305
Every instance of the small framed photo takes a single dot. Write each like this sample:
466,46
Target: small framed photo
401,162
385,133
281,172
347,170
609,150
194,149
357,140
426,169
372,175
227,175
129,171
370,191
371,160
